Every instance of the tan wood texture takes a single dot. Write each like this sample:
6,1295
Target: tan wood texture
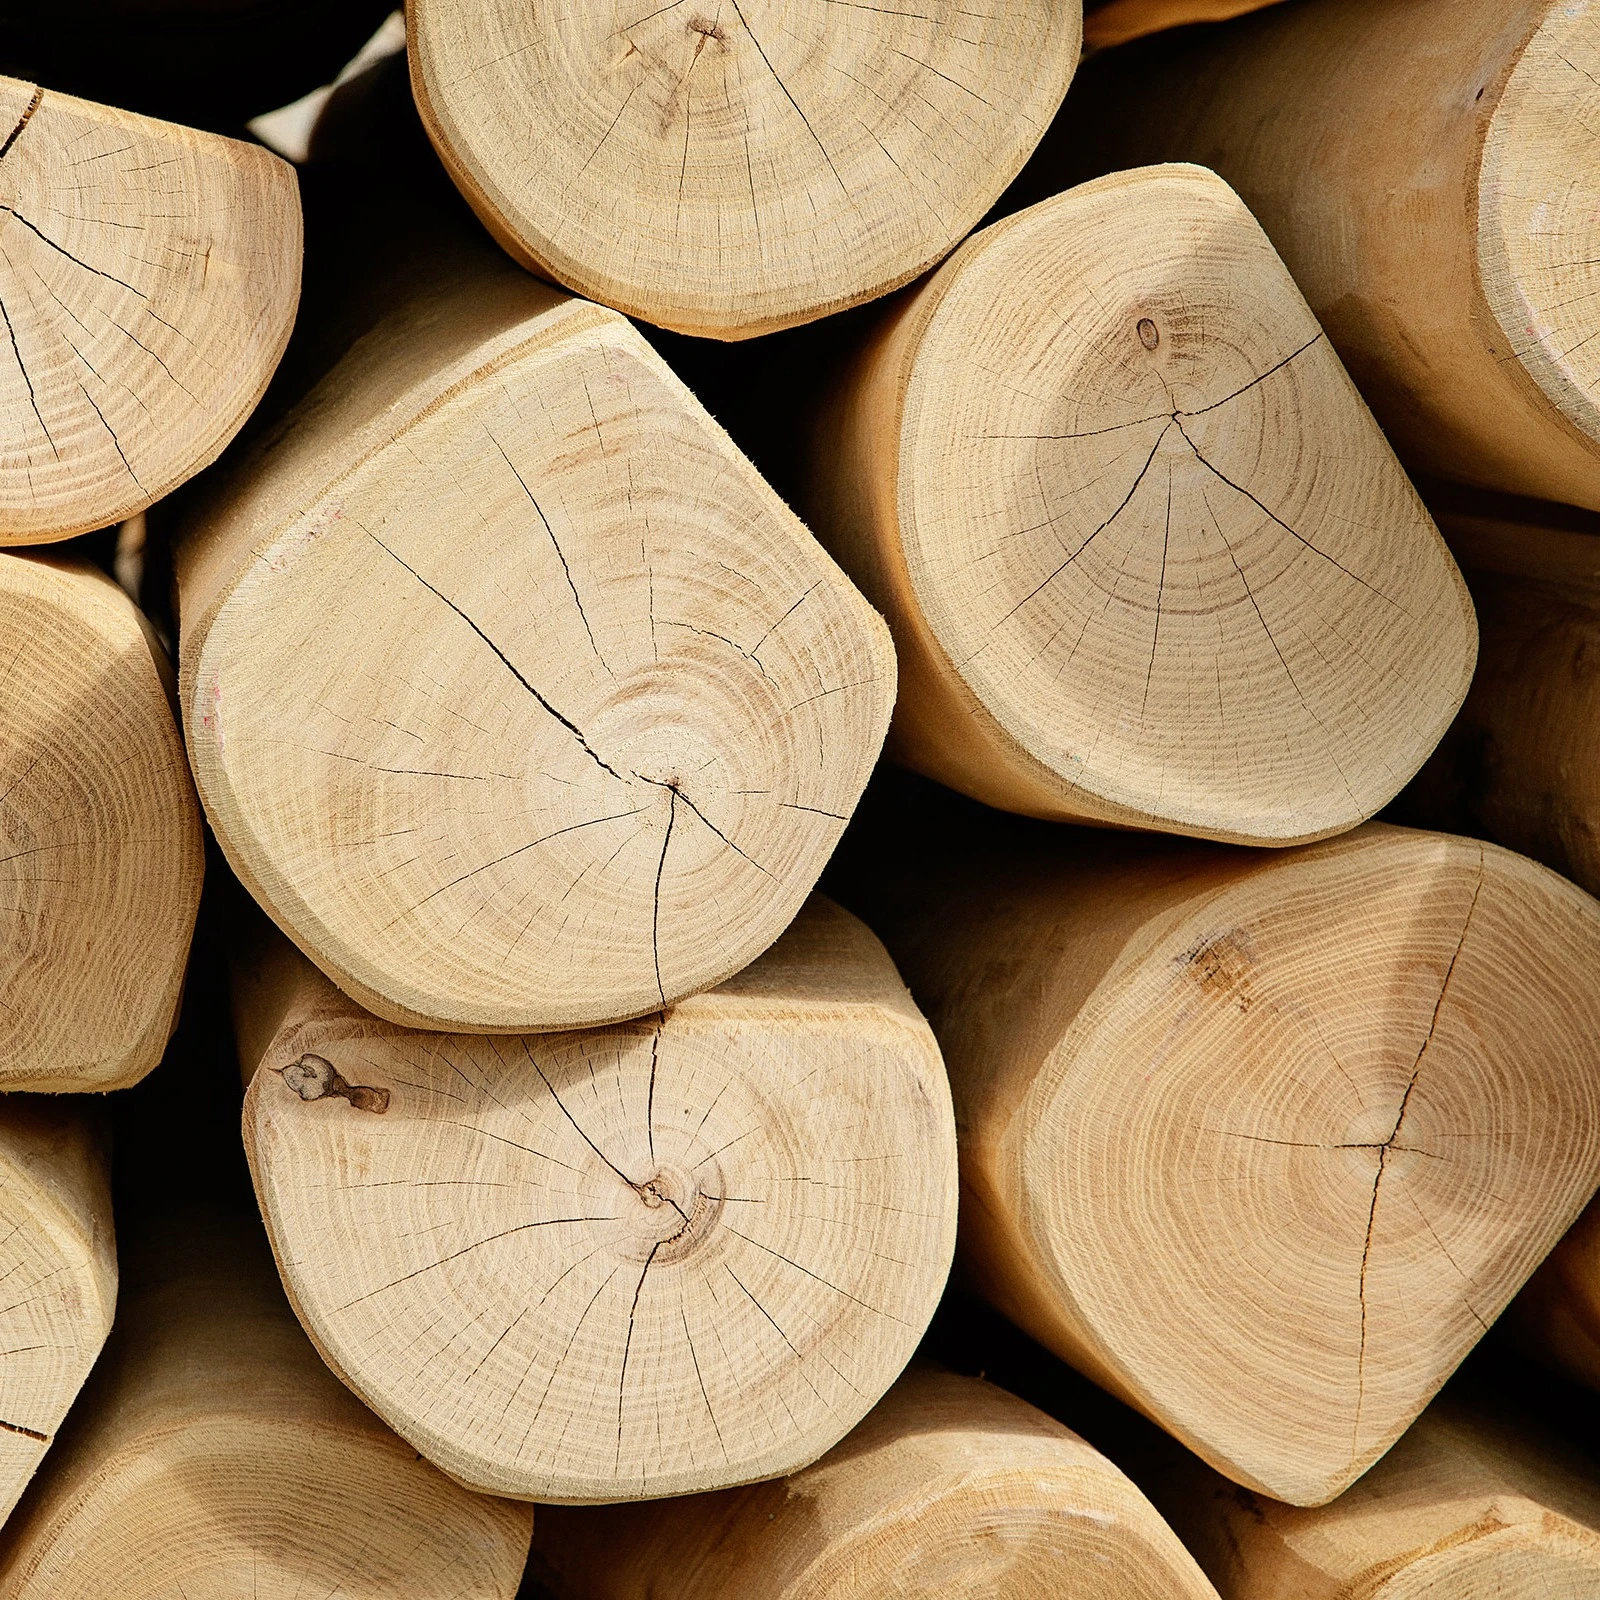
213,1456
1466,1505
512,691
58,1265
100,854
1557,1316
951,1489
1428,172
148,282
1147,558
1116,22
729,169
644,1260
1261,1143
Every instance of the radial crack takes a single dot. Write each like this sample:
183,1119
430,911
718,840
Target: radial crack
11,139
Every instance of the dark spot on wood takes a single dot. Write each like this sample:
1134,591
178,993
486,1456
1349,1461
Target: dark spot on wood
315,1078
1149,334
1222,966
707,27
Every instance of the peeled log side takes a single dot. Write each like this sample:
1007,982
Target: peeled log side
1428,172
512,691
1112,22
731,170
100,851
58,1264
643,1260
951,1488
1556,1318
1147,558
214,1456
148,282
1262,1144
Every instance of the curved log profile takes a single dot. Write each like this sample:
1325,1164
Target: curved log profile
1429,173
1469,1504
213,1455
950,1489
1556,1318
99,835
1261,1143
58,1262
727,171
1146,556
148,277
1113,22
512,691
646,1260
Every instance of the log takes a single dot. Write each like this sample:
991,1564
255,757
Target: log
584,756
213,1455
58,1262
1469,1502
1147,559
148,282
950,1488
1114,22
1260,1143
727,171
100,851
1427,172
639,1261
1556,1318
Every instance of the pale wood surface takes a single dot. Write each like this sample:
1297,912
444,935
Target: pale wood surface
951,1489
1260,1143
512,691
214,1456
644,1260
1428,171
1147,558
100,853
148,282
727,170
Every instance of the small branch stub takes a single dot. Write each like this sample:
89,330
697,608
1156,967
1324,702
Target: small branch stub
314,1077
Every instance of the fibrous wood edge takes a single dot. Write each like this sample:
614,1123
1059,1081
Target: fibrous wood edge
1054,602
743,1212
842,162
100,834
633,679
148,281
949,1488
213,1455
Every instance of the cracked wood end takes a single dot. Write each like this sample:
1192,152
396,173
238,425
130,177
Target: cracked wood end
1146,556
950,1489
1430,173
100,849
727,169
512,691
148,282
1262,1143
214,1456
1471,1503
644,1260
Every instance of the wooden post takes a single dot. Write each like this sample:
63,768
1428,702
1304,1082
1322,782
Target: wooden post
149,279
99,834
58,1263
730,170
644,1260
1428,173
1147,559
213,1455
1261,1143
950,1488
512,691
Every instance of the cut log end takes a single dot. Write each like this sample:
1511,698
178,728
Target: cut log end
147,287
730,170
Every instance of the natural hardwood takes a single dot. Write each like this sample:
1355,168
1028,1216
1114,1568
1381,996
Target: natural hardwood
1260,1142
1557,1316
1428,171
1146,556
512,691
58,1263
1113,22
644,1260
950,1489
213,1456
100,853
729,170
148,282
